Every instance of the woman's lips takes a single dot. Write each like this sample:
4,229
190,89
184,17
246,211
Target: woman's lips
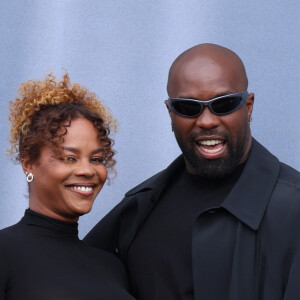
85,190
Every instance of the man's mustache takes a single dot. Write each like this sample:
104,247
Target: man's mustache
204,132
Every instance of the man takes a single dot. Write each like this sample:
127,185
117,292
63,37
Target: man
223,220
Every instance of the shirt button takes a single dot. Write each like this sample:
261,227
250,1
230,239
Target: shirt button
117,250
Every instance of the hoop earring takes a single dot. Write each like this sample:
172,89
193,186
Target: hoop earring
29,177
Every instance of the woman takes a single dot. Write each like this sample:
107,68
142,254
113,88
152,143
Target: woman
60,135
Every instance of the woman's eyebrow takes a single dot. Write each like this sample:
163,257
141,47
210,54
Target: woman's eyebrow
72,149
98,150
75,150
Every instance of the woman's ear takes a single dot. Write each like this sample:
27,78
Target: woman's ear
26,165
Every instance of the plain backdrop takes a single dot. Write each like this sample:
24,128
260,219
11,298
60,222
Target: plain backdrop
122,50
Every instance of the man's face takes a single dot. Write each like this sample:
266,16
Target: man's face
213,146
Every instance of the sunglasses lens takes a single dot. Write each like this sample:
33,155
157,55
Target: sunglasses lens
187,108
226,105
219,106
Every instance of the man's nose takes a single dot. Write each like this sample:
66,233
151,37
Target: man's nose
207,119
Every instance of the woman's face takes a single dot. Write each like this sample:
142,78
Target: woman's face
66,186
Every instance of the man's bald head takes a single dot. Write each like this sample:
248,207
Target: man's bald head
205,63
213,144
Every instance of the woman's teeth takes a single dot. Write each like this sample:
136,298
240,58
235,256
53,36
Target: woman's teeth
82,188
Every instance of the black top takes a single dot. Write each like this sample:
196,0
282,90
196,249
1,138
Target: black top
265,201
160,257
42,259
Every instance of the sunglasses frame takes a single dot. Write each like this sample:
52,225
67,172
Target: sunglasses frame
244,95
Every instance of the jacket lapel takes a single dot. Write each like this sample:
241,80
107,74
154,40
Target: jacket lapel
250,196
247,202
140,202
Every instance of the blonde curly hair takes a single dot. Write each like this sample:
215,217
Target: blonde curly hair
41,109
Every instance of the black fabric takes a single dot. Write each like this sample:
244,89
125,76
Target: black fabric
42,259
265,203
160,257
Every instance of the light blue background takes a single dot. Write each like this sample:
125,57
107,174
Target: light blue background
122,50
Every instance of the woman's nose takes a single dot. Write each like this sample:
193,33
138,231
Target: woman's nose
85,168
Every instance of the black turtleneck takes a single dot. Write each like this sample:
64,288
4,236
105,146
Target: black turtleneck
160,257
42,259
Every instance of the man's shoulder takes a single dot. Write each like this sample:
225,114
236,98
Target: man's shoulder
159,179
286,194
270,166
289,175
146,184
284,204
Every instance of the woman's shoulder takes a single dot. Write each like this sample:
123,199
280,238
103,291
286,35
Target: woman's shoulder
9,231
9,236
9,246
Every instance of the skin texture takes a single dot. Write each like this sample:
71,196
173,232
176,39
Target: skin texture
204,72
80,164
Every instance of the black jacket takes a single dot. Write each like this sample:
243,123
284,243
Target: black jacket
266,203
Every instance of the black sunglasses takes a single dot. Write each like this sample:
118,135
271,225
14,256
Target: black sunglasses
222,105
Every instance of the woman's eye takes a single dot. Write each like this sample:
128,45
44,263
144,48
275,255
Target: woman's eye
69,159
97,159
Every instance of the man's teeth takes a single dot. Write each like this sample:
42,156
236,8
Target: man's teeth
83,188
211,150
210,142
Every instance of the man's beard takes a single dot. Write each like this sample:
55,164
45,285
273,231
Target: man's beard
215,168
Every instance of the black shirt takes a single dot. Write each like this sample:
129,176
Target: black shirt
42,259
160,257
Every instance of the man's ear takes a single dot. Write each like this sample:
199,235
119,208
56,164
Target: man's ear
167,105
250,103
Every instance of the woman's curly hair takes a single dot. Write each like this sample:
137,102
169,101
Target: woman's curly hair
44,108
